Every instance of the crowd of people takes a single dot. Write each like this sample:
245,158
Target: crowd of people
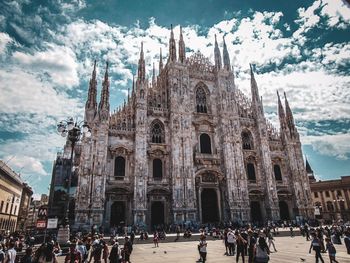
246,243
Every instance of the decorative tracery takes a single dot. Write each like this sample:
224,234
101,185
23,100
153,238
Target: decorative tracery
201,100
157,132
247,141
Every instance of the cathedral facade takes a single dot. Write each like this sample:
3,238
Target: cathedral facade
187,145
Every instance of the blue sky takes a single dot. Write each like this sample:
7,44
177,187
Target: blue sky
47,50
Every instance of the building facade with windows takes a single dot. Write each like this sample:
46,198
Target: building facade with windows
188,145
331,199
13,199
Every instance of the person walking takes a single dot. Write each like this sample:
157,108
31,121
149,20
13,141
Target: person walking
316,246
271,241
331,250
262,251
251,246
83,251
203,248
240,247
127,250
114,256
347,241
73,255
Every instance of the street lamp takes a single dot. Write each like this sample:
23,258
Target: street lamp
74,132
340,200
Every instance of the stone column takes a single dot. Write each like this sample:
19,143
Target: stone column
219,202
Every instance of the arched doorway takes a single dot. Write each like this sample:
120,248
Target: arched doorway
209,202
117,214
255,211
284,210
157,214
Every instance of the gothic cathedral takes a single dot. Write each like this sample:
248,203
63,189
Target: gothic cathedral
188,146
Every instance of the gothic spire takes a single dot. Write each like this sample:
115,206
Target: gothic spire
226,57
217,55
104,102
92,93
253,85
289,114
153,76
160,61
172,46
141,71
281,113
182,51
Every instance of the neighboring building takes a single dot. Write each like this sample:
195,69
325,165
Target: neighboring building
331,198
13,198
27,193
58,189
34,208
188,146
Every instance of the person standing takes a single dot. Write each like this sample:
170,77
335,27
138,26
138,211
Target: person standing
155,239
231,240
316,246
203,248
83,251
331,250
11,253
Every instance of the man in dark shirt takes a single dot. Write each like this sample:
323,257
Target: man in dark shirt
127,249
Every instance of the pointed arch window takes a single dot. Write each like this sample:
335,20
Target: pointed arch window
201,100
157,169
119,167
277,172
205,143
251,172
157,132
247,141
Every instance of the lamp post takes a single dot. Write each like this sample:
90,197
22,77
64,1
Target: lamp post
340,200
74,132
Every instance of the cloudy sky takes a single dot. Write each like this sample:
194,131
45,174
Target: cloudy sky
47,50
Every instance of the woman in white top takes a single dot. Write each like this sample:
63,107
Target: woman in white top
203,248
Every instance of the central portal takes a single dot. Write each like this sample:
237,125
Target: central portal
118,214
209,202
157,214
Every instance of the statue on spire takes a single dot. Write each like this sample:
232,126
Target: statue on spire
91,103
103,106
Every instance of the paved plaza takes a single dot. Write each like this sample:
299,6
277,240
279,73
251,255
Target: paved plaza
289,250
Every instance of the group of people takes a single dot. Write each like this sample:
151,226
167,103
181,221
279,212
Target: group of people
242,243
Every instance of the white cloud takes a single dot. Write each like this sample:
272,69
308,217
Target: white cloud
5,39
338,12
28,164
337,145
23,92
59,62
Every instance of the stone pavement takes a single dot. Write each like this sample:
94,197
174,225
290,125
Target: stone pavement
290,250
